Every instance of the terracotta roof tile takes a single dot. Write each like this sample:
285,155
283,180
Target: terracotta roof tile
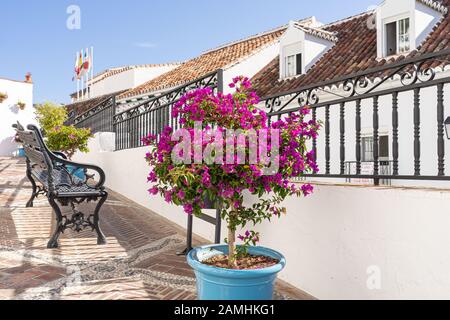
355,51
114,71
206,63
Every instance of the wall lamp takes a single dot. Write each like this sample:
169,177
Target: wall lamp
447,127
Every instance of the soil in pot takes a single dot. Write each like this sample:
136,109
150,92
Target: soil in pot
247,262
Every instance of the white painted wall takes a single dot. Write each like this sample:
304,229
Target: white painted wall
118,82
250,65
128,79
10,113
331,238
426,19
315,48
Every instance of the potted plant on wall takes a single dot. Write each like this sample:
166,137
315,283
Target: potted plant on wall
59,137
20,149
3,96
188,166
21,105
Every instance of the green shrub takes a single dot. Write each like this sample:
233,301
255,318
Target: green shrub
59,137
50,115
68,139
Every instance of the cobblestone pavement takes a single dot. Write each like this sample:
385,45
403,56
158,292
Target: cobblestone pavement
139,261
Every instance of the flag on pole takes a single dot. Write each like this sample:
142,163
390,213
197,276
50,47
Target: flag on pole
83,71
78,67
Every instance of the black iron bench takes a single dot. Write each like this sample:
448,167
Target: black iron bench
64,182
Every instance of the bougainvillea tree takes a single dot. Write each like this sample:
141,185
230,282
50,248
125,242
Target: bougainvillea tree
225,147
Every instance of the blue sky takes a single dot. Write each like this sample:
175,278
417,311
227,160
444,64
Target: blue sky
34,36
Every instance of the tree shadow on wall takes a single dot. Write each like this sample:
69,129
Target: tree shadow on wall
7,147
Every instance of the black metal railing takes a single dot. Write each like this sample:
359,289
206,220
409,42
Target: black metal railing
367,167
152,116
99,118
364,91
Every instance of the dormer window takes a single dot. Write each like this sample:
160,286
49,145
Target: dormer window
397,37
293,65
402,26
302,45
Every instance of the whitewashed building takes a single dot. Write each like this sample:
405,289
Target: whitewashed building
379,82
113,81
17,106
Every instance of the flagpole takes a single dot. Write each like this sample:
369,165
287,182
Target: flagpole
81,78
92,68
86,76
78,80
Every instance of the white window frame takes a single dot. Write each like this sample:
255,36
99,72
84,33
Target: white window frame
397,20
368,134
399,35
287,67
292,50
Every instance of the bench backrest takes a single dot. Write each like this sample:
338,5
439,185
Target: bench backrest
34,147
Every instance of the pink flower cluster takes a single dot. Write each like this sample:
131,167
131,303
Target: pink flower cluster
188,185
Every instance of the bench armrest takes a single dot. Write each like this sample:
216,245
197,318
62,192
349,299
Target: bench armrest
84,167
60,155
57,158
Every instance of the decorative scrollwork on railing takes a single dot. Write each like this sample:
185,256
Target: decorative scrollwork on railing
108,103
352,85
303,98
408,71
419,73
273,104
308,97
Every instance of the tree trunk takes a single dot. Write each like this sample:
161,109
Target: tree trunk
232,249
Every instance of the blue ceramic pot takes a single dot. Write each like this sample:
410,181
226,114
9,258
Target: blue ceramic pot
224,284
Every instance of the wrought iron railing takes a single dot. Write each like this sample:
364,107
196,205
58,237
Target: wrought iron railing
367,167
99,118
152,116
364,91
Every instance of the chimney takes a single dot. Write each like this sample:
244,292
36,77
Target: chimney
28,78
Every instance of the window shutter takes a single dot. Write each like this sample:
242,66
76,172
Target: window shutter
299,64
391,39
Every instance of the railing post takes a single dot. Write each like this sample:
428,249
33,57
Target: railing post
440,125
314,143
417,132
327,139
395,132
375,140
113,112
358,136
220,84
342,136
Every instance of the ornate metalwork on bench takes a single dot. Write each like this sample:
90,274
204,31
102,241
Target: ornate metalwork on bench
64,183
364,91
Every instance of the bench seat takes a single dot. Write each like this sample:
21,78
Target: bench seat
65,183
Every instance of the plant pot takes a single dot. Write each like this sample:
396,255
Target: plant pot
77,172
223,284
